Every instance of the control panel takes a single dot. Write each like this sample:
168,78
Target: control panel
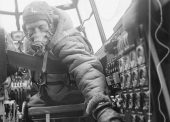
127,65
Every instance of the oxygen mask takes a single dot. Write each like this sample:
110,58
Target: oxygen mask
39,45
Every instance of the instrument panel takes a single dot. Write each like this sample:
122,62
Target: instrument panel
127,64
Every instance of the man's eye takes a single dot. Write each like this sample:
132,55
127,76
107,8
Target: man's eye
30,31
42,27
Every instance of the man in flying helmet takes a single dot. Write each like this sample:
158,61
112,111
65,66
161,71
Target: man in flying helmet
50,34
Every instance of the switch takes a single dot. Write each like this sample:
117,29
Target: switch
128,80
119,100
126,62
124,101
111,67
116,80
135,82
116,77
138,118
133,118
133,59
143,76
122,111
109,80
122,81
142,118
127,100
121,64
131,101
146,101
140,55
117,65
7,110
137,101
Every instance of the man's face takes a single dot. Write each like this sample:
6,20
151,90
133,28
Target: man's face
38,33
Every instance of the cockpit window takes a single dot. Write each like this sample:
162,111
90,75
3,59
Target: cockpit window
7,12
8,22
74,17
5,6
23,3
110,11
89,24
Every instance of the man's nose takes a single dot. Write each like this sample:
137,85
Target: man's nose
37,30
37,33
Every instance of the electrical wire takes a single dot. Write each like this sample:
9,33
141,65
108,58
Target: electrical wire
159,64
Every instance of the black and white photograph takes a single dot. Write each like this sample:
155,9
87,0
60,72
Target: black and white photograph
85,61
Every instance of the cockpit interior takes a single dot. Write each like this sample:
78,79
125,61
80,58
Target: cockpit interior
131,39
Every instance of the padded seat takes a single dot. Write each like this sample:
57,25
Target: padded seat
57,112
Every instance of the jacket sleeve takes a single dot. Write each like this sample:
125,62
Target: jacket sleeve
85,68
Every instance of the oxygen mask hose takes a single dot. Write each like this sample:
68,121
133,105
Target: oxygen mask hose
38,47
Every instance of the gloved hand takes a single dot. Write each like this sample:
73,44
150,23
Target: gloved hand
105,113
108,115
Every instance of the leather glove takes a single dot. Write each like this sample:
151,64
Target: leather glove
105,113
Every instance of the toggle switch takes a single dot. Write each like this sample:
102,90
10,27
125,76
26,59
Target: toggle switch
142,118
109,80
122,81
127,100
133,118
146,101
137,101
128,80
140,55
133,59
121,65
143,76
119,100
135,82
124,101
131,101
126,62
